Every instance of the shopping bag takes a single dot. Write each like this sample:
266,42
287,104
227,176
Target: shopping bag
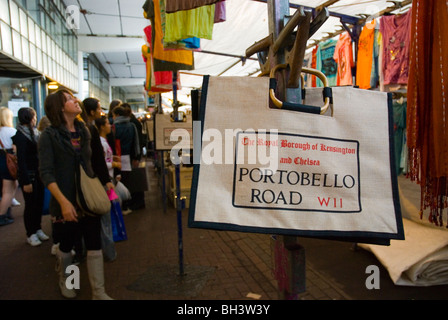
117,221
135,180
122,192
107,239
47,197
91,196
277,171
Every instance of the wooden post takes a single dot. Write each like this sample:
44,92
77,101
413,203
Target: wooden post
289,256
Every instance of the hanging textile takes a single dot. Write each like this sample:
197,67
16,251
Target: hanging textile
183,57
314,65
148,9
187,43
374,74
365,55
184,24
162,65
427,114
156,82
380,61
178,5
192,43
220,12
307,63
396,38
343,55
325,62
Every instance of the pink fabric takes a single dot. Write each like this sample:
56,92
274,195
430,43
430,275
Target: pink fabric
220,12
396,39
112,195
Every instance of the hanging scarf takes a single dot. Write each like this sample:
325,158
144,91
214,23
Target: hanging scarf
27,133
427,114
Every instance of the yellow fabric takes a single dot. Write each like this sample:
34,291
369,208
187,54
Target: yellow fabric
185,24
178,56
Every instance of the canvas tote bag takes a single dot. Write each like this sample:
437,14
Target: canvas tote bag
91,195
286,172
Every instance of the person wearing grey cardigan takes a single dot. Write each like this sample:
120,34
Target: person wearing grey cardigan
62,147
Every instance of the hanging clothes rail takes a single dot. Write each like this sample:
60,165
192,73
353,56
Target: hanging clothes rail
359,20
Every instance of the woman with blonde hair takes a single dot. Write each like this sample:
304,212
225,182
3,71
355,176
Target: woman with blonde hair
9,185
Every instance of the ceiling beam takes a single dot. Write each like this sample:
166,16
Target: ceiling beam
125,82
94,44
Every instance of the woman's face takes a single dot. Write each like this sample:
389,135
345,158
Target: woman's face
96,114
107,127
71,105
34,121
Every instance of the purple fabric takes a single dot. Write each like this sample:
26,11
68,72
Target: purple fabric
220,11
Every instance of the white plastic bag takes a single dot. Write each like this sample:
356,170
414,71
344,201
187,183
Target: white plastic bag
122,191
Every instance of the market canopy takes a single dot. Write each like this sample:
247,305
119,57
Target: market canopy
113,31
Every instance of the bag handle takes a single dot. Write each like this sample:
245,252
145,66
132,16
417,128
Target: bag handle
327,93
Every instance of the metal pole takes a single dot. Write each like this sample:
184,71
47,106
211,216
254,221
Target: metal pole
177,175
162,156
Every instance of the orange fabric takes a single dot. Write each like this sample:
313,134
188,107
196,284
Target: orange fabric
343,55
313,65
427,114
178,56
365,55
159,81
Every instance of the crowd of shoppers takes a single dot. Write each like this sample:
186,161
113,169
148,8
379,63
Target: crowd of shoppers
72,133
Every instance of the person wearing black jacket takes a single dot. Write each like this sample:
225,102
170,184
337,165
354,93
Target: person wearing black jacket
91,111
138,197
33,190
127,135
